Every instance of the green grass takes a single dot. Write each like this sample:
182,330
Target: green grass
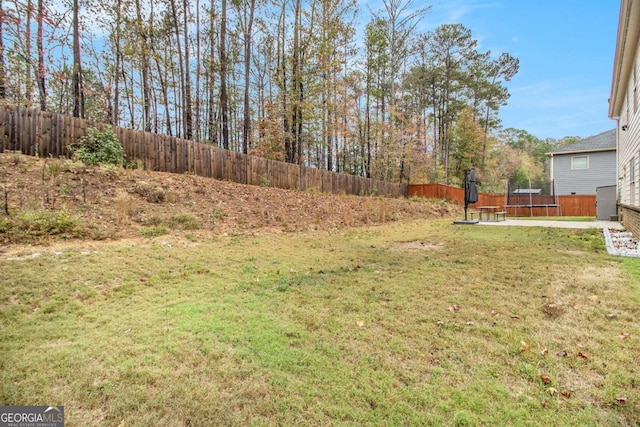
352,327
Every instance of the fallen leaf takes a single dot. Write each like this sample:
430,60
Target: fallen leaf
562,353
593,298
360,323
440,322
524,346
611,315
545,378
565,393
582,355
621,400
544,352
454,307
469,323
552,391
515,316
493,312
544,403
623,335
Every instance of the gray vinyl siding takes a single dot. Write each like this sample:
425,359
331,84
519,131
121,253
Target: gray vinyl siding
601,172
629,143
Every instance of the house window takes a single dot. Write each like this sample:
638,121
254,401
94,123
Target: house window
579,162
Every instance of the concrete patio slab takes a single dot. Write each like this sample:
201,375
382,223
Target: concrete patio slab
613,225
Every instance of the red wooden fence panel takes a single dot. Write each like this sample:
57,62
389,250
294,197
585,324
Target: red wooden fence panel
578,205
573,205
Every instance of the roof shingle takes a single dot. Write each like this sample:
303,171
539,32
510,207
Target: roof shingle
602,141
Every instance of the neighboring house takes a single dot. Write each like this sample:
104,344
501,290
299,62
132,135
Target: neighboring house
583,166
624,107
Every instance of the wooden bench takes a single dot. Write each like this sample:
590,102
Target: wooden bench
473,214
498,215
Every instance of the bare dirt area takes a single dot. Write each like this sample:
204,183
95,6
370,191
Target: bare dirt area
418,245
110,203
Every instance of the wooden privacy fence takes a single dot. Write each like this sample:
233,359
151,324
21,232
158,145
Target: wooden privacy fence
573,205
46,134
452,194
578,205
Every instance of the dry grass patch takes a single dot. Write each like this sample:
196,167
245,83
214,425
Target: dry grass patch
418,246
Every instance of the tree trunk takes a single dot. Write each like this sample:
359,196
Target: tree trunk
246,128
296,71
78,89
282,70
40,76
223,77
176,29
187,76
143,37
115,113
367,118
28,94
212,120
3,72
197,105
165,97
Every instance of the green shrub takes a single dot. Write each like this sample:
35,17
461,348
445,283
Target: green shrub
153,221
152,192
98,147
43,222
264,181
184,222
153,231
217,213
33,225
53,169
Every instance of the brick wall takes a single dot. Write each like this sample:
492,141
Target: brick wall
630,218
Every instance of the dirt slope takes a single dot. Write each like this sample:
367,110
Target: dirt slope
116,203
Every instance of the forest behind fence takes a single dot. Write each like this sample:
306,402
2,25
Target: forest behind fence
48,134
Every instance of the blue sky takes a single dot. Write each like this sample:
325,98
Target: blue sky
565,48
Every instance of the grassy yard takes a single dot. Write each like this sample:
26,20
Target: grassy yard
413,323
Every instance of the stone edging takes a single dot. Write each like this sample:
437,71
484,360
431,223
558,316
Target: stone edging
615,244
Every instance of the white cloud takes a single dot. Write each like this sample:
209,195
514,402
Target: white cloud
454,11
